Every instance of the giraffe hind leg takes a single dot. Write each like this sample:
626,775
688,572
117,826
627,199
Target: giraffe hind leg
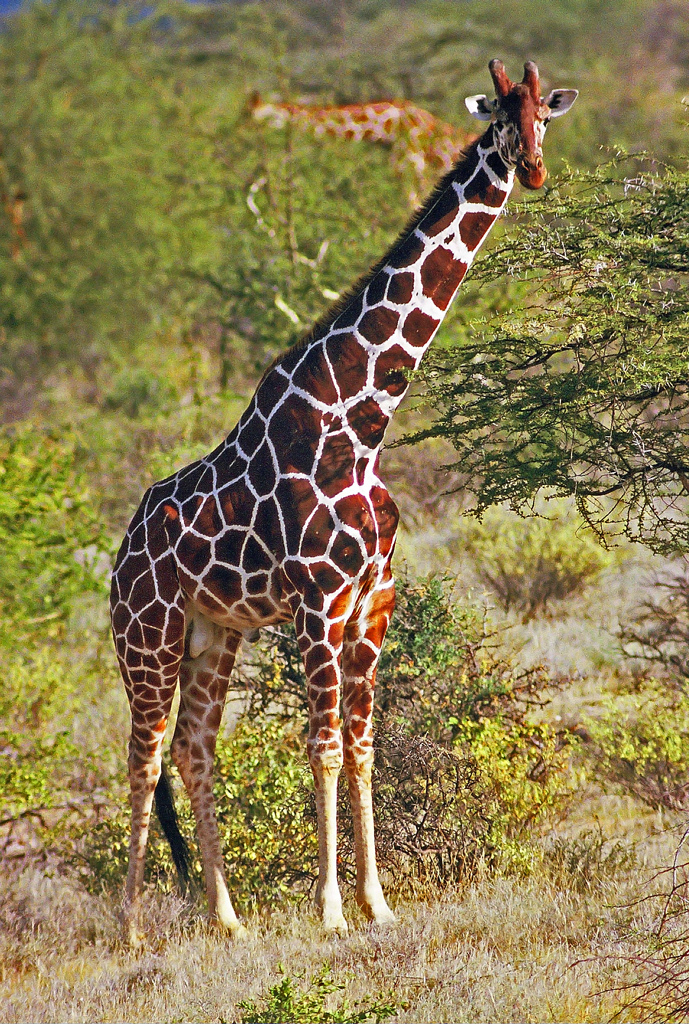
203,687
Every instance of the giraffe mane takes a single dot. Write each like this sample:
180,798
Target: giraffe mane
328,317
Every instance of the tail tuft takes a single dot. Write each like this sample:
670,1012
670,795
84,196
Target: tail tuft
167,816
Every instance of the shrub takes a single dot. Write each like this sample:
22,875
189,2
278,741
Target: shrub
270,843
285,1002
48,774
462,771
440,811
528,563
641,743
583,861
47,522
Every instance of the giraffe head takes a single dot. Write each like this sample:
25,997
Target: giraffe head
520,115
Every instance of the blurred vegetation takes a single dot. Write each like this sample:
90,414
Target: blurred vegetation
641,744
658,635
54,547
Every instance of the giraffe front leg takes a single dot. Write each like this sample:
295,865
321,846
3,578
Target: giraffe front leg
326,764
320,643
203,686
363,641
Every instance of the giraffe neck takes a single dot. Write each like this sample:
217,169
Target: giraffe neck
354,364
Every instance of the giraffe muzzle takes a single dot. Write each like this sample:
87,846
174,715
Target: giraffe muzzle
531,170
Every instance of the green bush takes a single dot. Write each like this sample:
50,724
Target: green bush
529,563
58,767
311,1005
463,771
641,744
50,535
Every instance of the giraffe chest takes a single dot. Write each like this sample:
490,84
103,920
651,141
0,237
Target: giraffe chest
245,548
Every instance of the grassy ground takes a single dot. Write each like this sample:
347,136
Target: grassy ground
545,948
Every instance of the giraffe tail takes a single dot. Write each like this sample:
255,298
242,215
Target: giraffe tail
167,816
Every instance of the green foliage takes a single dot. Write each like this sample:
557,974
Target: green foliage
524,774
584,389
261,778
91,138
51,541
55,771
641,743
286,1002
529,562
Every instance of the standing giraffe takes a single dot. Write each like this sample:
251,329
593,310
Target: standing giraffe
417,138
288,519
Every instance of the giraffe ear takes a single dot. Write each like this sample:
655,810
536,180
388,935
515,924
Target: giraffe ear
560,100
480,107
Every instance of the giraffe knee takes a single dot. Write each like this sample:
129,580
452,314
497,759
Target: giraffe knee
358,761
325,760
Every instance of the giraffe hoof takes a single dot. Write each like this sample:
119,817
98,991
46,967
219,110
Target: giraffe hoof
235,930
239,933
335,926
384,917
336,931
377,911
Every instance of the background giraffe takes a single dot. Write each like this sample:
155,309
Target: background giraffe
288,519
418,140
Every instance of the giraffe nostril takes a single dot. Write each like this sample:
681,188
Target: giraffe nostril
531,163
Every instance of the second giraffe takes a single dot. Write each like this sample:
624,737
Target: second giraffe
288,519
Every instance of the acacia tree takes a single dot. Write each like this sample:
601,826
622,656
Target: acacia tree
584,388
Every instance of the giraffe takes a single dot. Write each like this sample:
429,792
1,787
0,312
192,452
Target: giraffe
288,519
417,139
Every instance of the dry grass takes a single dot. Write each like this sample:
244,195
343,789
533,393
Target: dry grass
545,948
